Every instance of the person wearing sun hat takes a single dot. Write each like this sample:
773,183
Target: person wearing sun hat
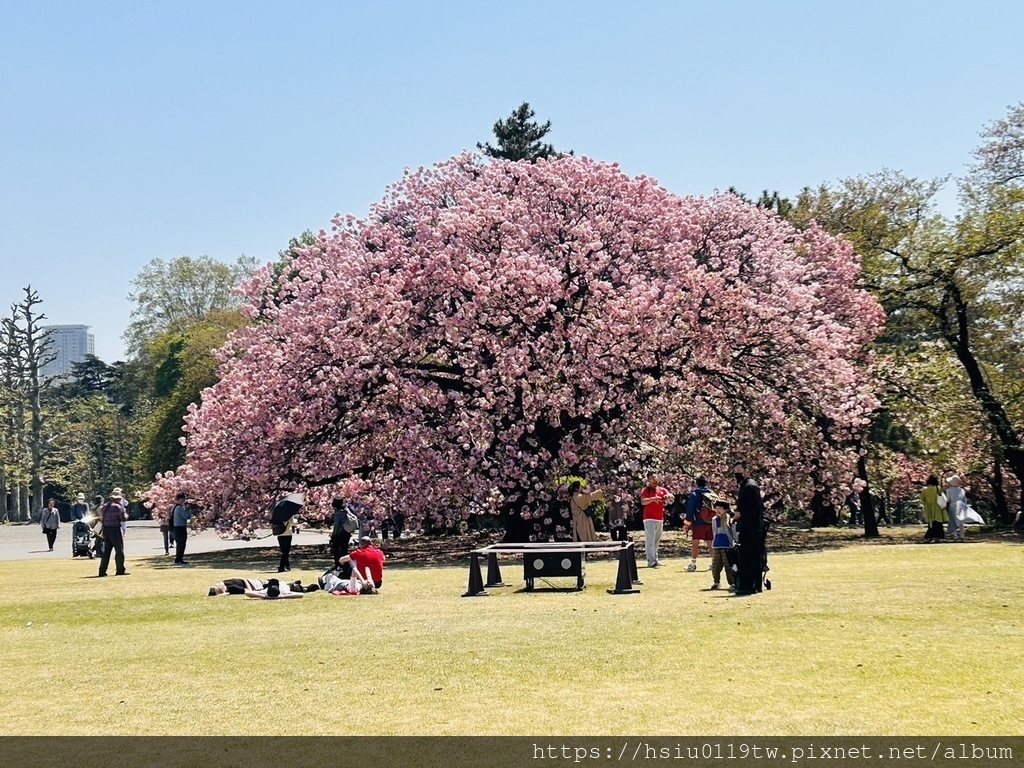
956,505
112,516
118,496
79,510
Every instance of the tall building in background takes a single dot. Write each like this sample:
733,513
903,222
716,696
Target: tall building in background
70,343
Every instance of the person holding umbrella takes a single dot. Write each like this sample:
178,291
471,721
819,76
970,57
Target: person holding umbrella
281,519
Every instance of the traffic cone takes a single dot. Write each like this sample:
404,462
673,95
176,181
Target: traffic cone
476,581
634,574
623,581
493,572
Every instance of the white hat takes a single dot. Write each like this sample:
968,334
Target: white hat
953,480
81,497
116,494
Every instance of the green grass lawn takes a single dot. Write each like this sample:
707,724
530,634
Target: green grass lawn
887,640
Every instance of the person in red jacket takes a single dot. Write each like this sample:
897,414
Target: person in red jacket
653,499
369,559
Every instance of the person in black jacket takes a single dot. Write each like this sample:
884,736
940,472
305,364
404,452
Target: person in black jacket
750,527
346,522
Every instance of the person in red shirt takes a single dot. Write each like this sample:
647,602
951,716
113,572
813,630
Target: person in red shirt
653,499
368,559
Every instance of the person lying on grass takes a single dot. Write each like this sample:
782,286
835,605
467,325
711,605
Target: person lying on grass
239,586
356,584
275,590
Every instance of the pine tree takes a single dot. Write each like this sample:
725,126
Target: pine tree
519,137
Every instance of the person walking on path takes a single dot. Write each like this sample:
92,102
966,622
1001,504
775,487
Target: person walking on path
653,499
180,515
750,529
50,520
112,516
582,516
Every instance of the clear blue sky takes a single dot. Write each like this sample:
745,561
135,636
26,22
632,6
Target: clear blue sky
137,130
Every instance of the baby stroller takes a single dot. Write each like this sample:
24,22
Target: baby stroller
81,539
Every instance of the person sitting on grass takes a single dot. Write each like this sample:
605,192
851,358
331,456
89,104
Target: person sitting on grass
368,559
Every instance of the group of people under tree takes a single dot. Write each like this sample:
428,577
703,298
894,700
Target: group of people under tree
364,564
744,526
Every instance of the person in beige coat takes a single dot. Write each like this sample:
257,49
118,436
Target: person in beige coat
582,523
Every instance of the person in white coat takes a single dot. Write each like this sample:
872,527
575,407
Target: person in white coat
956,507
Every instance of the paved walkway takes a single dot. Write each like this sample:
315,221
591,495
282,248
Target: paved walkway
142,539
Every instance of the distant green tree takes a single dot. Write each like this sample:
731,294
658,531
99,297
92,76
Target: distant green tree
519,137
773,201
182,365
169,295
93,426
953,288
770,201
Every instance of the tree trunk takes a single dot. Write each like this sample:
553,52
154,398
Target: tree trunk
995,480
958,337
24,515
4,509
37,458
867,502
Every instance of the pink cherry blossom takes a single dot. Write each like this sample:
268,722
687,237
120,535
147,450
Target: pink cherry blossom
491,327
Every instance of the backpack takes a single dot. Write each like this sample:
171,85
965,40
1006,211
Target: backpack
351,524
697,504
722,539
